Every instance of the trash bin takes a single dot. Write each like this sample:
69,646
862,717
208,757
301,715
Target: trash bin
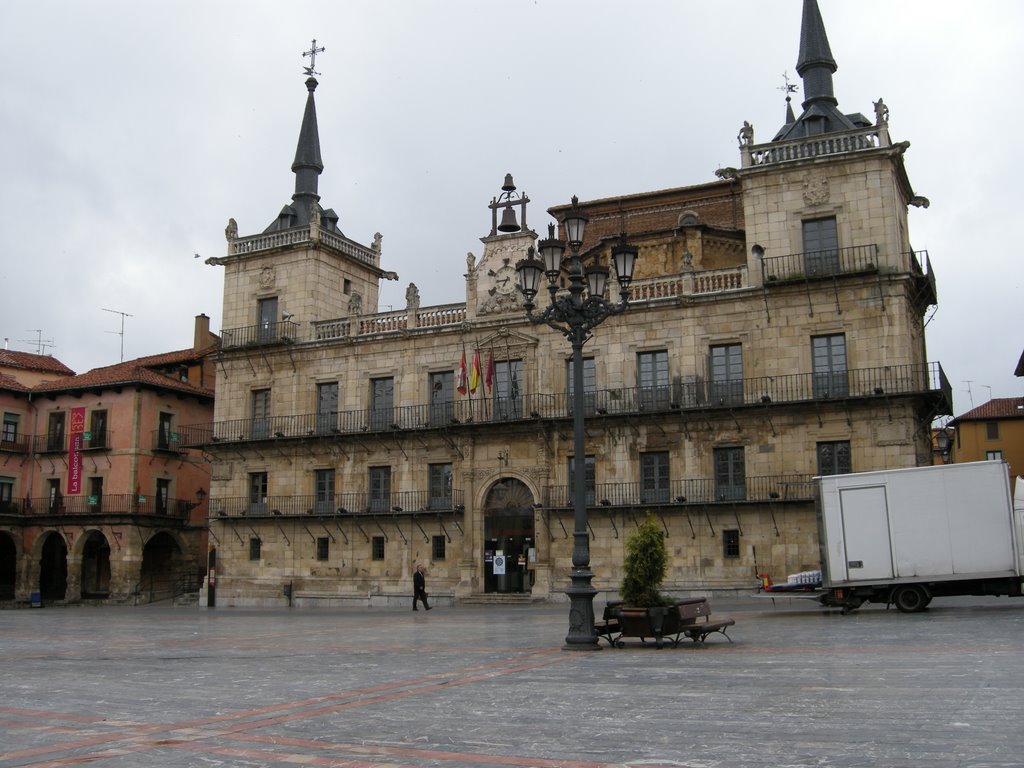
35,600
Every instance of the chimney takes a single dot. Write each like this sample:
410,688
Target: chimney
202,333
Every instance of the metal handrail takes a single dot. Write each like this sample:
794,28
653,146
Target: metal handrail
704,490
354,503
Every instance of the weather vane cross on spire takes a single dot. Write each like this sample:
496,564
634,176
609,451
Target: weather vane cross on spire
788,88
311,53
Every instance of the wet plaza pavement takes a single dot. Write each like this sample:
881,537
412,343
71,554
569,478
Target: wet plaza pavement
490,686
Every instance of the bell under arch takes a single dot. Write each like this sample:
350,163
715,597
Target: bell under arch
508,537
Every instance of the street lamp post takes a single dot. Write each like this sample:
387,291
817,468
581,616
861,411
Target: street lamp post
574,315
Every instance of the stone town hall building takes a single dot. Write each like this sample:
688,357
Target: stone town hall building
775,332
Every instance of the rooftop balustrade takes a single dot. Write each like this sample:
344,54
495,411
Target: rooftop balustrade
691,394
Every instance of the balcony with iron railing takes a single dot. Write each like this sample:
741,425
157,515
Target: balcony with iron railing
769,488
10,443
162,440
262,335
352,503
61,443
927,379
814,265
105,504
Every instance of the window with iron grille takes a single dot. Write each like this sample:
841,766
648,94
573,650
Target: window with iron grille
437,548
10,434
730,543
255,545
834,458
377,545
323,548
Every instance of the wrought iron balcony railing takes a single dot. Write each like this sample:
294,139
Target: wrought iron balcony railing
681,395
15,443
61,443
811,265
264,334
162,440
344,503
105,504
689,491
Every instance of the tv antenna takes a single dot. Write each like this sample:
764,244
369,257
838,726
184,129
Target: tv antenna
40,342
968,382
121,332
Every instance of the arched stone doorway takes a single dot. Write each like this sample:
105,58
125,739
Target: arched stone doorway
95,566
8,566
162,564
508,537
53,567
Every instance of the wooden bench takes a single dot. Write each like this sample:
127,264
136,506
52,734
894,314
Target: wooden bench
697,624
608,627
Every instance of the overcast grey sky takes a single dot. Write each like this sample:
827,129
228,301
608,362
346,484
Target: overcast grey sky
133,130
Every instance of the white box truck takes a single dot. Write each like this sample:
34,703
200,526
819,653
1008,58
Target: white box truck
904,536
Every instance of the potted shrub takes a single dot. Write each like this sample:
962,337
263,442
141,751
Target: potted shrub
643,572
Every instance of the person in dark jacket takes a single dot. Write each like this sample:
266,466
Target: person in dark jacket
419,587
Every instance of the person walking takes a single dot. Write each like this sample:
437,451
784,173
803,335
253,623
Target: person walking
419,587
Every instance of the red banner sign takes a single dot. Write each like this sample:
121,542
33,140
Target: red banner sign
75,451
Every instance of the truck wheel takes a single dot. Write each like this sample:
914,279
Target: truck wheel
910,599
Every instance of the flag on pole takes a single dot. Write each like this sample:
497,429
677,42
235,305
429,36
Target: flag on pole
489,375
462,375
474,372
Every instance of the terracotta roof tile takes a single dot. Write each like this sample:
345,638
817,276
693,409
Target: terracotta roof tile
123,374
9,382
998,408
30,362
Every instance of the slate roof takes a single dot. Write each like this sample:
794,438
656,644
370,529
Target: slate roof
997,408
30,362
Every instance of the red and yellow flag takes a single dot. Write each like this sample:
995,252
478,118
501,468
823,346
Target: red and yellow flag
461,387
474,373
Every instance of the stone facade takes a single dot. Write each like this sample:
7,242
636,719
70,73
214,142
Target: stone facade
775,332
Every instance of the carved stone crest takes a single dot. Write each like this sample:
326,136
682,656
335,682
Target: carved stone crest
267,277
816,189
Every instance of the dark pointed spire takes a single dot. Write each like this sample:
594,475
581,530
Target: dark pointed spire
308,165
815,63
816,66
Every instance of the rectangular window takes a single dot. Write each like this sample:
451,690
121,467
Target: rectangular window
97,430
821,247
834,458
589,386
828,360
654,477
260,414
588,480
266,330
164,435
730,474
382,403
346,286
163,493
377,545
991,430
7,494
255,545
327,408
652,380
437,547
442,397
323,548
730,543
993,455
324,487
508,397
55,431
95,498
380,489
440,491
257,493
55,501
10,433
726,366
